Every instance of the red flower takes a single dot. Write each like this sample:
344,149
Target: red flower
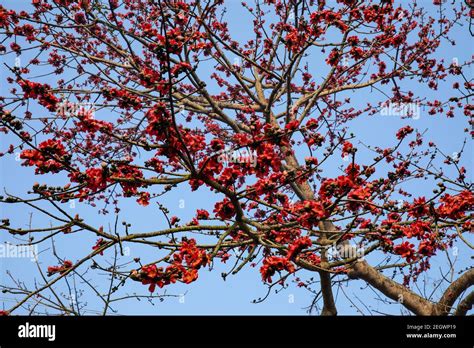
95,179
312,123
295,40
46,157
224,209
334,57
87,123
190,276
358,194
80,18
100,242
419,208
194,256
346,148
41,92
297,246
202,214
174,220
60,269
273,264
150,77
144,199
180,67
309,213
405,250
403,132
292,125
3,17
426,248
339,186
15,47
454,207
417,229
125,99
150,275
128,172
64,2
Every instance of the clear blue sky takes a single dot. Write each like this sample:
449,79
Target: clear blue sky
210,294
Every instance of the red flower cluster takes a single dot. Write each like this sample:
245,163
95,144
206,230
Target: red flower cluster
154,276
309,213
224,209
392,219
336,187
406,251
330,18
180,67
202,214
95,179
46,157
144,199
158,121
359,194
296,39
427,247
285,235
128,172
454,207
87,123
64,2
26,30
60,269
334,57
273,264
346,148
194,142
3,17
419,208
194,258
36,90
267,185
125,99
417,229
403,132
149,77
297,246
173,41
267,158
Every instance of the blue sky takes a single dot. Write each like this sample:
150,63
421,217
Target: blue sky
210,294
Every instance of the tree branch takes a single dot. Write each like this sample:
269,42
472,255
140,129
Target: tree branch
465,305
415,303
453,292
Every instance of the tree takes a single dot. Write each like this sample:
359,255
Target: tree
144,98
